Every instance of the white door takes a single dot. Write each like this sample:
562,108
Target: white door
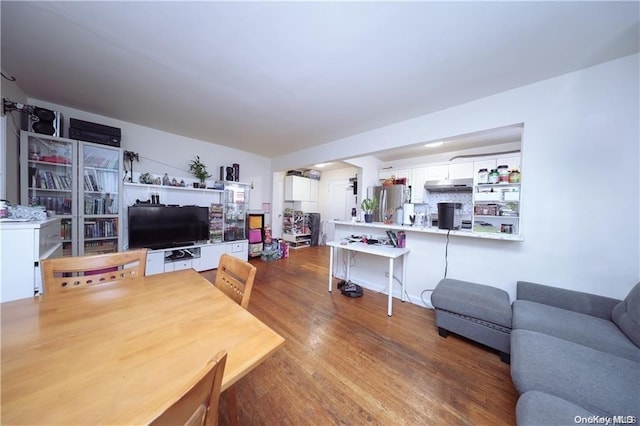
277,205
340,201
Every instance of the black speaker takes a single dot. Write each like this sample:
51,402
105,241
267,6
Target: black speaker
236,172
230,174
45,121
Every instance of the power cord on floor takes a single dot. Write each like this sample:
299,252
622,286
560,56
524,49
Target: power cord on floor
396,279
426,303
446,254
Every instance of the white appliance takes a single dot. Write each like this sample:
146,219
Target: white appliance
409,210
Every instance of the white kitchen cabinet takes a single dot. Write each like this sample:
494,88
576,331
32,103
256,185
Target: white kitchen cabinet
297,188
461,170
393,173
22,246
418,177
449,171
437,172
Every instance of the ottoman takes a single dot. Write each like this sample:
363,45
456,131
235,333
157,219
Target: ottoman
478,312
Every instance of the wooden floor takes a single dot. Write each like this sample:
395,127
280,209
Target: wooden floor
346,362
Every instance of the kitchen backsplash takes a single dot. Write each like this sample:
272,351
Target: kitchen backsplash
431,205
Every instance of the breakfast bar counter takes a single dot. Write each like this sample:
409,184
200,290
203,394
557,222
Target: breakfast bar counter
432,230
435,254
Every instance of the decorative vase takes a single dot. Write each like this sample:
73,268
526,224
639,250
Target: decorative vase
368,217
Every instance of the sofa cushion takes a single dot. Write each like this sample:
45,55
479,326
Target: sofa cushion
597,381
536,409
597,333
626,315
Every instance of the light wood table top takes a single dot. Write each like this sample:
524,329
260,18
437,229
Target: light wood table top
119,353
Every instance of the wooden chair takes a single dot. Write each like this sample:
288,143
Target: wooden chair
66,273
235,278
198,404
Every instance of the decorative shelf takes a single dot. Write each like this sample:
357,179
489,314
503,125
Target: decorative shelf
168,187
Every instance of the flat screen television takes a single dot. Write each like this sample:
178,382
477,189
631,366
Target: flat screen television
158,227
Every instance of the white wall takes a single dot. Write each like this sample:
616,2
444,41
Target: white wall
581,188
162,152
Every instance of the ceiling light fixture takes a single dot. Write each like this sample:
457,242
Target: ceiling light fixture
433,144
321,165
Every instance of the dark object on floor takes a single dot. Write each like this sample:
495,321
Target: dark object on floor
478,312
350,289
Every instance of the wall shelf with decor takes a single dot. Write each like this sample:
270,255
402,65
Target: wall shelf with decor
227,207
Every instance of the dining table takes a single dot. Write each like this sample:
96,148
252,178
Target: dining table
120,353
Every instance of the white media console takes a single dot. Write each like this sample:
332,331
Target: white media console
200,257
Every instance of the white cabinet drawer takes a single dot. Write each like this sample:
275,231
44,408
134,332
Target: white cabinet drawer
239,249
235,247
182,264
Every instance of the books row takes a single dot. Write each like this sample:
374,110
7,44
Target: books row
101,228
100,181
97,229
103,205
48,180
94,180
59,205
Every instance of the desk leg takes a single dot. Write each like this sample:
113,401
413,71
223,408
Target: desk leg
404,276
330,268
389,307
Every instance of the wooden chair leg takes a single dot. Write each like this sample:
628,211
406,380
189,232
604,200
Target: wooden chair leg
232,406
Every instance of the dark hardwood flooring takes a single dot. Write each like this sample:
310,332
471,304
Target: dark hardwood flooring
345,362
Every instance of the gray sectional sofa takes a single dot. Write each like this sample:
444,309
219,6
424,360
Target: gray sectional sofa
575,357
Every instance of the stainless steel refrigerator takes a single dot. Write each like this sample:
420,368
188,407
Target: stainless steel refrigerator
390,198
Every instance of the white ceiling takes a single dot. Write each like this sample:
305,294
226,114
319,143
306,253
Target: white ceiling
275,77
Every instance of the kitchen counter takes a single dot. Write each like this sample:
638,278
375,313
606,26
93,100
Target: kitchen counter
426,230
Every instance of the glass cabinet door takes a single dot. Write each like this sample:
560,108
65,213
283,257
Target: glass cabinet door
48,179
99,188
236,201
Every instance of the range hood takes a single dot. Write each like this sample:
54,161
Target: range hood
449,185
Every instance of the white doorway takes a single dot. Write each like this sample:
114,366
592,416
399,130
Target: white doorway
340,201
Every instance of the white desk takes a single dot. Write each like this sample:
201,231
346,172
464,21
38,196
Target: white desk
385,251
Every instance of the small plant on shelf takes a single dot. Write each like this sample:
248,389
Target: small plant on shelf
199,170
368,206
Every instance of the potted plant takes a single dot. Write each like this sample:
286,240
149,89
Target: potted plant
199,170
368,205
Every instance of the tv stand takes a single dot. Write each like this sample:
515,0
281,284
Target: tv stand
181,254
199,256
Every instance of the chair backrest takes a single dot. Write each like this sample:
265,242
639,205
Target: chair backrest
198,404
235,278
66,273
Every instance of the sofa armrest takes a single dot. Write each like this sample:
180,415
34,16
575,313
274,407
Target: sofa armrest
577,301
